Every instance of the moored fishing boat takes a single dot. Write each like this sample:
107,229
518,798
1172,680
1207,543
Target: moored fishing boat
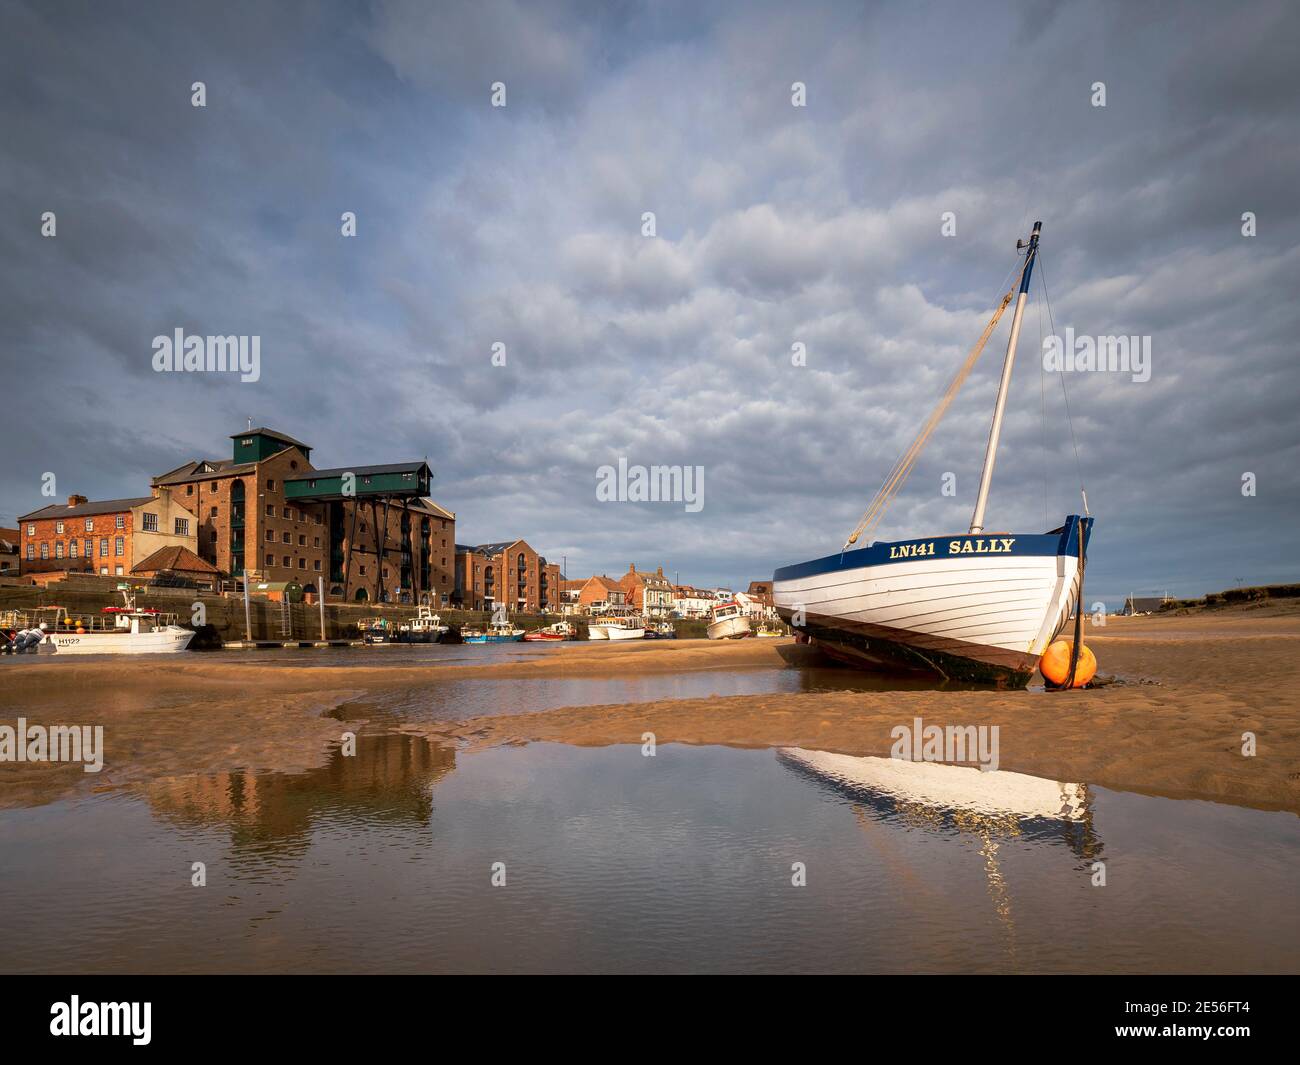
495,633
561,630
124,630
377,630
977,605
728,622
425,627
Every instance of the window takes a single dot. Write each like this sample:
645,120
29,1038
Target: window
117,570
189,489
213,489
363,569
246,442
287,562
31,552
182,526
45,549
288,513
270,536
150,522
315,541
270,484
316,565
316,517
286,538
270,560
90,525
58,528
302,563
103,571
302,516
120,522
31,530
119,546
270,510
212,513
302,541
58,549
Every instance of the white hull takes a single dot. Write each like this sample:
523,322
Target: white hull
168,640
973,608
597,632
733,628
618,632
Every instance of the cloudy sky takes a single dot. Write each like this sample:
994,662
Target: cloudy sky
775,225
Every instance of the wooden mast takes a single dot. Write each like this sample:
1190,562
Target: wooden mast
995,430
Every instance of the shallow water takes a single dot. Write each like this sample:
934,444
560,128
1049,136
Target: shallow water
619,862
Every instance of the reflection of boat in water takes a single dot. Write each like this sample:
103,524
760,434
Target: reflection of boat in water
958,798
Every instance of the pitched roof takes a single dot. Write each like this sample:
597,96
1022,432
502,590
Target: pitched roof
9,541
427,504
260,431
85,510
203,470
175,557
487,550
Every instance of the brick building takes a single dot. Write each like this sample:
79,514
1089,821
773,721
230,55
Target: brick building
508,572
649,594
105,537
370,532
600,594
10,552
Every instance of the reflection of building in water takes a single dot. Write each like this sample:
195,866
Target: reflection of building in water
389,779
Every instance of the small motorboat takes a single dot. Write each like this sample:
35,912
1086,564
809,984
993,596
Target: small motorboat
561,630
495,633
728,622
377,630
617,627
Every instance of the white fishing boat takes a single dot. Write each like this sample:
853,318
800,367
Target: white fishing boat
975,605
425,627
617,627
728,622
124,630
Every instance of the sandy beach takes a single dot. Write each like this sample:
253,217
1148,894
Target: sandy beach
1185,688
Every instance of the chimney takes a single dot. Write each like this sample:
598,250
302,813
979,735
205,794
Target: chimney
631,567
76,501
659,572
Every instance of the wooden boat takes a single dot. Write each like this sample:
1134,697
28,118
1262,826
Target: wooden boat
617,627
728,622
975,605
561,630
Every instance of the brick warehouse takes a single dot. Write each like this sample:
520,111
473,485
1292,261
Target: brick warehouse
370,531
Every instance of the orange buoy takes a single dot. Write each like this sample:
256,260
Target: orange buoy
1055,664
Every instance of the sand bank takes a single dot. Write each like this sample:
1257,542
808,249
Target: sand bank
1189,687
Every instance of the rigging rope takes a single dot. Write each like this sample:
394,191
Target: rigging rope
876,511
1078,468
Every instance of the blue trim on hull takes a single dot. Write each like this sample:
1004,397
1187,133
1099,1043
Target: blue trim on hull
1064,541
